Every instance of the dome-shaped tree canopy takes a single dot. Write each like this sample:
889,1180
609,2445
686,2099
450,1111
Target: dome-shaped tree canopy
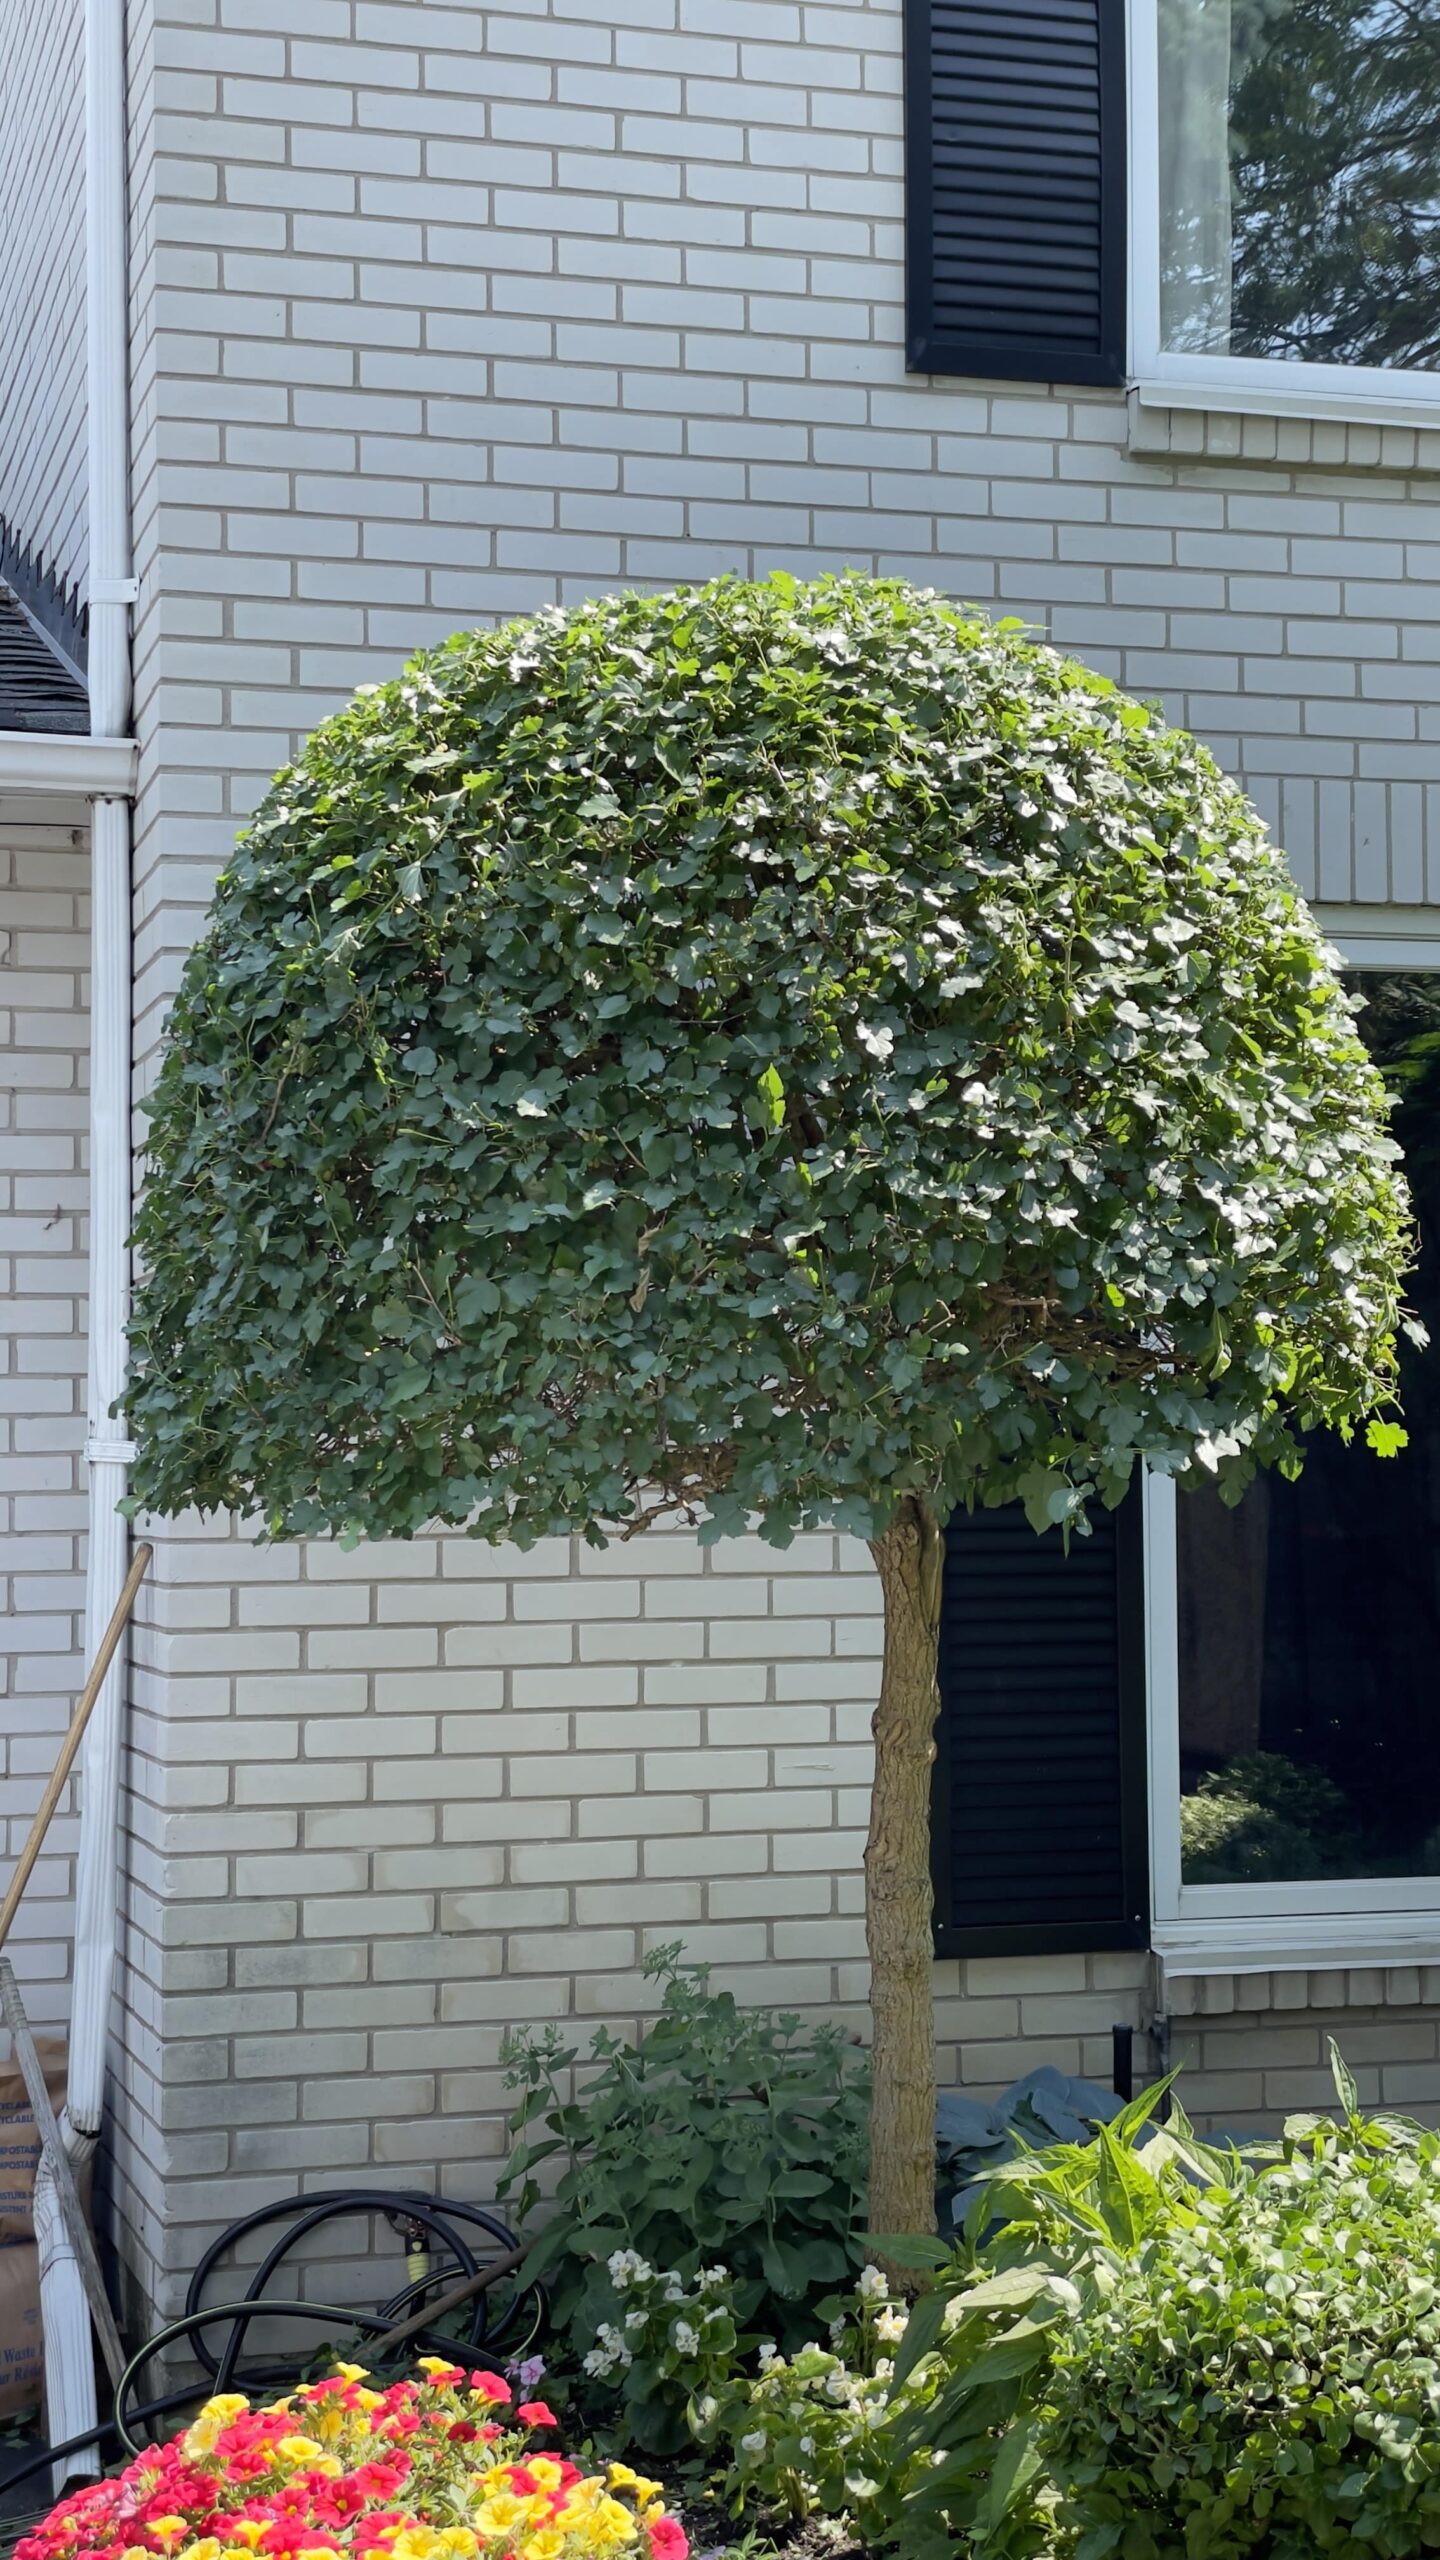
779,1047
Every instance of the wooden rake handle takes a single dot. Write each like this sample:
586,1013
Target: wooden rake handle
84,1704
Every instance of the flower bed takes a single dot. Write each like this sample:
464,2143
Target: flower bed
440,2469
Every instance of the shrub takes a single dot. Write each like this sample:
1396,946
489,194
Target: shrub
1189,2353
723,2134
429,2470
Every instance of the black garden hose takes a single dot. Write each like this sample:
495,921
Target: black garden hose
516,2325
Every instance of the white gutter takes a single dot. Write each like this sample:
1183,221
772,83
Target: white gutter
52,760
69,2356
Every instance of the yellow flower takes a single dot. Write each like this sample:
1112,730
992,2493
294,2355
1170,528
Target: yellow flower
548,2544
225,2406
248,2529
438,2365
298,2448
612,2524
353,2372
500,2514
367,2399
415,2542
206,2549
544,2470
622,2477
168,2527
460,2541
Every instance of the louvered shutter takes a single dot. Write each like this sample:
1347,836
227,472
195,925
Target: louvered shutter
1039,1802
1015,188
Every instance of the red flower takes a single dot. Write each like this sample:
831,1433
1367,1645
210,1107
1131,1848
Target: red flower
667,2539
535,2414
490,2386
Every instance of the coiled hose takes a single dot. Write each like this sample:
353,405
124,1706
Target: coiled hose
513,2324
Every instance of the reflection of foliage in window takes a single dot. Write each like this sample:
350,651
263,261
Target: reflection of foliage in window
1264,1819
1335,175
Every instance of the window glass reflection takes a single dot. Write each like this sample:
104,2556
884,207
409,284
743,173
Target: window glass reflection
1299,156
1310,1613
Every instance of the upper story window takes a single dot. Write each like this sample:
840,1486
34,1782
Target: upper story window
1234,202
1286,197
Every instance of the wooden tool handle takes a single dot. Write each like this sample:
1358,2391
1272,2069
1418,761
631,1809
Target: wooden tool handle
84,1704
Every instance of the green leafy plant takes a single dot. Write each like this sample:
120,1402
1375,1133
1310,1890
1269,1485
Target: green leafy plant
722,2134
775,1053
1187,2351
818,2432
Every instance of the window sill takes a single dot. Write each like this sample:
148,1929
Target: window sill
1349,1960
1168,422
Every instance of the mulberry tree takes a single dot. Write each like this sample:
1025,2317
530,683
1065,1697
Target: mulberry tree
782,1056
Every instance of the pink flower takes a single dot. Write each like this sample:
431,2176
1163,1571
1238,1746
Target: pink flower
535,2414
667,2539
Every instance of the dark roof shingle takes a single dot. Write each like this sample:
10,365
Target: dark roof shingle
37,689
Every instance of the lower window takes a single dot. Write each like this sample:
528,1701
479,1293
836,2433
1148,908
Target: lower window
1275,1664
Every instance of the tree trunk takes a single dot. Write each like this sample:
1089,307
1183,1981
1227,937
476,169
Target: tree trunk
909,1558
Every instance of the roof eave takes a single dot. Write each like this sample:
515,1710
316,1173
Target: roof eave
40,760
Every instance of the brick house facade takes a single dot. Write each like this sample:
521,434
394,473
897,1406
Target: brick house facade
441,311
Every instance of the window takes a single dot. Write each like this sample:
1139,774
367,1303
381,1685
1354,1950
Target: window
1284,1654
1294,1639
1286,198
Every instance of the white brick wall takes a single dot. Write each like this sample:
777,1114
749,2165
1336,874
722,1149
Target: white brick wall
443,311
44,952
42,280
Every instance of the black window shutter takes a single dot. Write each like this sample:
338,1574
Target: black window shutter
1015,188
1040,1837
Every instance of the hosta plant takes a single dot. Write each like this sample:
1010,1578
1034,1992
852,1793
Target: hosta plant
443,2468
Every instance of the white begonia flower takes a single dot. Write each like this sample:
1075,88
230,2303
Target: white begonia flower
769,2354
872,2286
891,2326
684,2339
713,2276
613,2347
884,2368
859,2485
807,2444
674,2288
636,2320
837,2386
627,2267
708,2409
753,2443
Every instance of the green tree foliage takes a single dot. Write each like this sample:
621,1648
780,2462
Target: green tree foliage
760,1051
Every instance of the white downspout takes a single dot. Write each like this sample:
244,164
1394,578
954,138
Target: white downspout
69,2356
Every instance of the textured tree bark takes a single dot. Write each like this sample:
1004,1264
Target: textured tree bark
909,1557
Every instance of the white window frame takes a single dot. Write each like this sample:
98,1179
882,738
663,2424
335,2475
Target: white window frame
1264,385
1263,1928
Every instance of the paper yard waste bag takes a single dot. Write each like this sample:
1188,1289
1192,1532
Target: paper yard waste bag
22,2346
22,2352
20,2142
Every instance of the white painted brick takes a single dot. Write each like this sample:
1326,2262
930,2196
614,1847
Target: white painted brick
656,332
